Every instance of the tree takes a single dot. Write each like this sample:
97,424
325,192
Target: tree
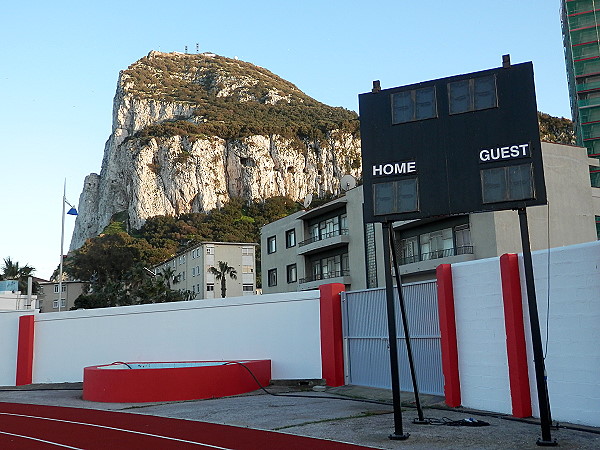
221,273
137,286
12,271
111,256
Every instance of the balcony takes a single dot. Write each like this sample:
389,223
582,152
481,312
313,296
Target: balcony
591,86
327,240
325,276
314,281
588,102
464,250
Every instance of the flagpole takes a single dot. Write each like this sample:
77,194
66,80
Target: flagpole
62,240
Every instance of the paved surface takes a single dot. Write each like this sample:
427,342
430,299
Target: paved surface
307,414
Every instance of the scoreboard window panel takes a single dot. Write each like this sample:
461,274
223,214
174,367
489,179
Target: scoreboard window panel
417,104
473,94
402,107
425,103
384,198
504,184
484,92
396,197
406,191
459,98
520,181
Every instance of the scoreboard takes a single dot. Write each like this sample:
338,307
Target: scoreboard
462,144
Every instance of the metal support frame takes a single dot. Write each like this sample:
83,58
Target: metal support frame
391,319
413,373
536,338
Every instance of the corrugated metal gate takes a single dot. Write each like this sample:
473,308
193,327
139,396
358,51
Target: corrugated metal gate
366,338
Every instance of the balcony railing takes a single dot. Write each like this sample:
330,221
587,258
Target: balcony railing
464,250
323,237
325,276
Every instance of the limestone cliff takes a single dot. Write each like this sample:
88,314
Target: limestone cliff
191,131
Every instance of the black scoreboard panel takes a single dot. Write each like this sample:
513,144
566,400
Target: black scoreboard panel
461,144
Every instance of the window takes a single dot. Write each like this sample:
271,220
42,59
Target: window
396,197
247,251
210,287
462,236
63,302
504,184
64,288
272,277
210,250
290,238
193,271
247,269
248,288
414,105
55,304
271,244
330,267
409,250
472,95
436,244
292,275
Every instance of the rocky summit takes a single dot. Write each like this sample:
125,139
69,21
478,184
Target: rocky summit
191,131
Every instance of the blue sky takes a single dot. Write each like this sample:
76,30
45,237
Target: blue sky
61,60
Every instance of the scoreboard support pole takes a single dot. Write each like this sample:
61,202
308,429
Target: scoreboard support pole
536,338
411,363
393,342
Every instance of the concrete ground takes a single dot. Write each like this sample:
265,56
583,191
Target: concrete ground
321,414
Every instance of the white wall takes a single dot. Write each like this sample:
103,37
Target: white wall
481,337
282,327
14,302
573,356
9,335
573,331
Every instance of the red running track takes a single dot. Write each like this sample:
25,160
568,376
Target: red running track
29,427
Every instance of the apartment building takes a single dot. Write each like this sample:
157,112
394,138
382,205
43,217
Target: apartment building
190,269
581,38
48,297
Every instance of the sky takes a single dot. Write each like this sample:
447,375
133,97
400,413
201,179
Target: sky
60,63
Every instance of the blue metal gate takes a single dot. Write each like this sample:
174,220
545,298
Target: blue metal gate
366,342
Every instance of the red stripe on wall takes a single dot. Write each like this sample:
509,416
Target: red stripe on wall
24,373
332,339
448,335
515,336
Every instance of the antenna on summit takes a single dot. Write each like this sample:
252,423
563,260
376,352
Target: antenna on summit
197,47
186,49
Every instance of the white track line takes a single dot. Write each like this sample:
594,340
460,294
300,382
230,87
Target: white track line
113,428
40,440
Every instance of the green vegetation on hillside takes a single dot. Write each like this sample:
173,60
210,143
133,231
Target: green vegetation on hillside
230,99
555,129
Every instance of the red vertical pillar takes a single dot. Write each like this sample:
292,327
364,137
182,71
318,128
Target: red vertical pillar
332,339
24,373
515,336
448,335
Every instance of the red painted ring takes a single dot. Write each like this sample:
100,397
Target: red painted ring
197,380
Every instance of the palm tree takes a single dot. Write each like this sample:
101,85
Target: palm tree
12,271
221,274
